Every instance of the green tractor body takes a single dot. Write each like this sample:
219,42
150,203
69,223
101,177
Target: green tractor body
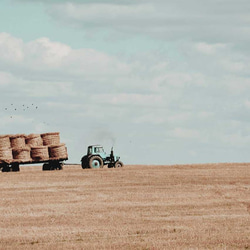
97,158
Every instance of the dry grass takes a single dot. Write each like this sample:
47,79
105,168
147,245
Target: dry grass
136,207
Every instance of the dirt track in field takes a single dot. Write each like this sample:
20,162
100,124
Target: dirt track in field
135,207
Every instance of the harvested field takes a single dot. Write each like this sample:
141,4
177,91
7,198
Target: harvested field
135,207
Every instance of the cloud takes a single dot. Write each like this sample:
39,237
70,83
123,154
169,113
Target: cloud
247,103
179,80
238,139
184,133
209,49
153,118
226,21
11,48
45,52
129,99
80,1
5,78
48,89
43,55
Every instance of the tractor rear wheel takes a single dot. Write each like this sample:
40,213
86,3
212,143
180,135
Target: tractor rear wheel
84,161
118,164
95,162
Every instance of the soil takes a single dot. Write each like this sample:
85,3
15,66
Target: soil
134,207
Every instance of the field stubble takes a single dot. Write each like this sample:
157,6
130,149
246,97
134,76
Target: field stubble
135,207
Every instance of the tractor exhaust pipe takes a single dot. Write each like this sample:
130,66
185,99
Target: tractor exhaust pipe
112,159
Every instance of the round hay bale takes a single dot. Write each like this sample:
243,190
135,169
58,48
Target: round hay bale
4,141
51,138
21,154
34,140
6,155
17,141
40,153
58,151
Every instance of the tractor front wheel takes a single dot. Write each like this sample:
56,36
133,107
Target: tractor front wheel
118,164
95,162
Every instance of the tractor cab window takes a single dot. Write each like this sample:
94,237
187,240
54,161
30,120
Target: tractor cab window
89,150
96,150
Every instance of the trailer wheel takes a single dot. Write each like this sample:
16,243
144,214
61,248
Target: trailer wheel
15,167
52,166
6,168
95,162
118,164
46,167
60,166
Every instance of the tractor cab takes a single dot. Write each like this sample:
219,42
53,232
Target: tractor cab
97,150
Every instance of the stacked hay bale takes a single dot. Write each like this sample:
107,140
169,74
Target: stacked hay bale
21,154
38,151
17,141
4,141
20,151
51,138
5,149
22,148
57,150
33,140
6,155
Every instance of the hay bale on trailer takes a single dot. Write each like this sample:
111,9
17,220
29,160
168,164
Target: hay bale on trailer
52,138
4,142
58,151
21,154
6,155
17,141
40,153
33,140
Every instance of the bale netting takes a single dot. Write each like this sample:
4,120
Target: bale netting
17,141
4,142
40,153
34,140
6,155
51,138
21,154
58,151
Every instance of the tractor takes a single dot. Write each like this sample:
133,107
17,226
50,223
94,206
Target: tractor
97,158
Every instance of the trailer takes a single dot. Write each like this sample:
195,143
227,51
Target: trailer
51,164
20,149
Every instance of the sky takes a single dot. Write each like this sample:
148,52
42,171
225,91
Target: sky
164,82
